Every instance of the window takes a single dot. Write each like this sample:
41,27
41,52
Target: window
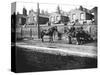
34,18
73,16
51,18
82,16
57,18
20,20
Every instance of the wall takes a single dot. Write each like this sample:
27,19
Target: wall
32,31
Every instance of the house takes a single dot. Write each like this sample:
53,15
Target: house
32,18
57,18
80,15
94,12
21,19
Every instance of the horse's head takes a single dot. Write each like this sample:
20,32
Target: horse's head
55,28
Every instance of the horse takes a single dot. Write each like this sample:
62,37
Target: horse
50,32
80,35
76,33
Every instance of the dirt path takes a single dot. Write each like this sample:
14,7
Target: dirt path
57,48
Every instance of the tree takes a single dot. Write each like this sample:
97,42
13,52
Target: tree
58,9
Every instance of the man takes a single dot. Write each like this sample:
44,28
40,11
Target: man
71,30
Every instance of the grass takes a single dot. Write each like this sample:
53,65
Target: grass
32,61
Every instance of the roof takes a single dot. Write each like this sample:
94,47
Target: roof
94,9
84,10
42,15
62,14
21,15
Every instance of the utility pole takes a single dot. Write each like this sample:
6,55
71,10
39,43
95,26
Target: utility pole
38,12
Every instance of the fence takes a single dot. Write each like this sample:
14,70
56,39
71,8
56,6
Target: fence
31,31
27,32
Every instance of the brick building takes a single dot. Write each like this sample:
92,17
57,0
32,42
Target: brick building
80,15
21,19
32,18
58,18
94,11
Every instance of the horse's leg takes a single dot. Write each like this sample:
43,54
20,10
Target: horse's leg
54,35
69,38
42,38
78,40
51,38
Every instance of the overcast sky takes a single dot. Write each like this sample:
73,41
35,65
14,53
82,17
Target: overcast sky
51,6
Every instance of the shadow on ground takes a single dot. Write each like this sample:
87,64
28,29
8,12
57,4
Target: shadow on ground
32,61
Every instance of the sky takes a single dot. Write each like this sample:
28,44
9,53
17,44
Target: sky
50,6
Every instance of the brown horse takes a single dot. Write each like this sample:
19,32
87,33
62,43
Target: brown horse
49,32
